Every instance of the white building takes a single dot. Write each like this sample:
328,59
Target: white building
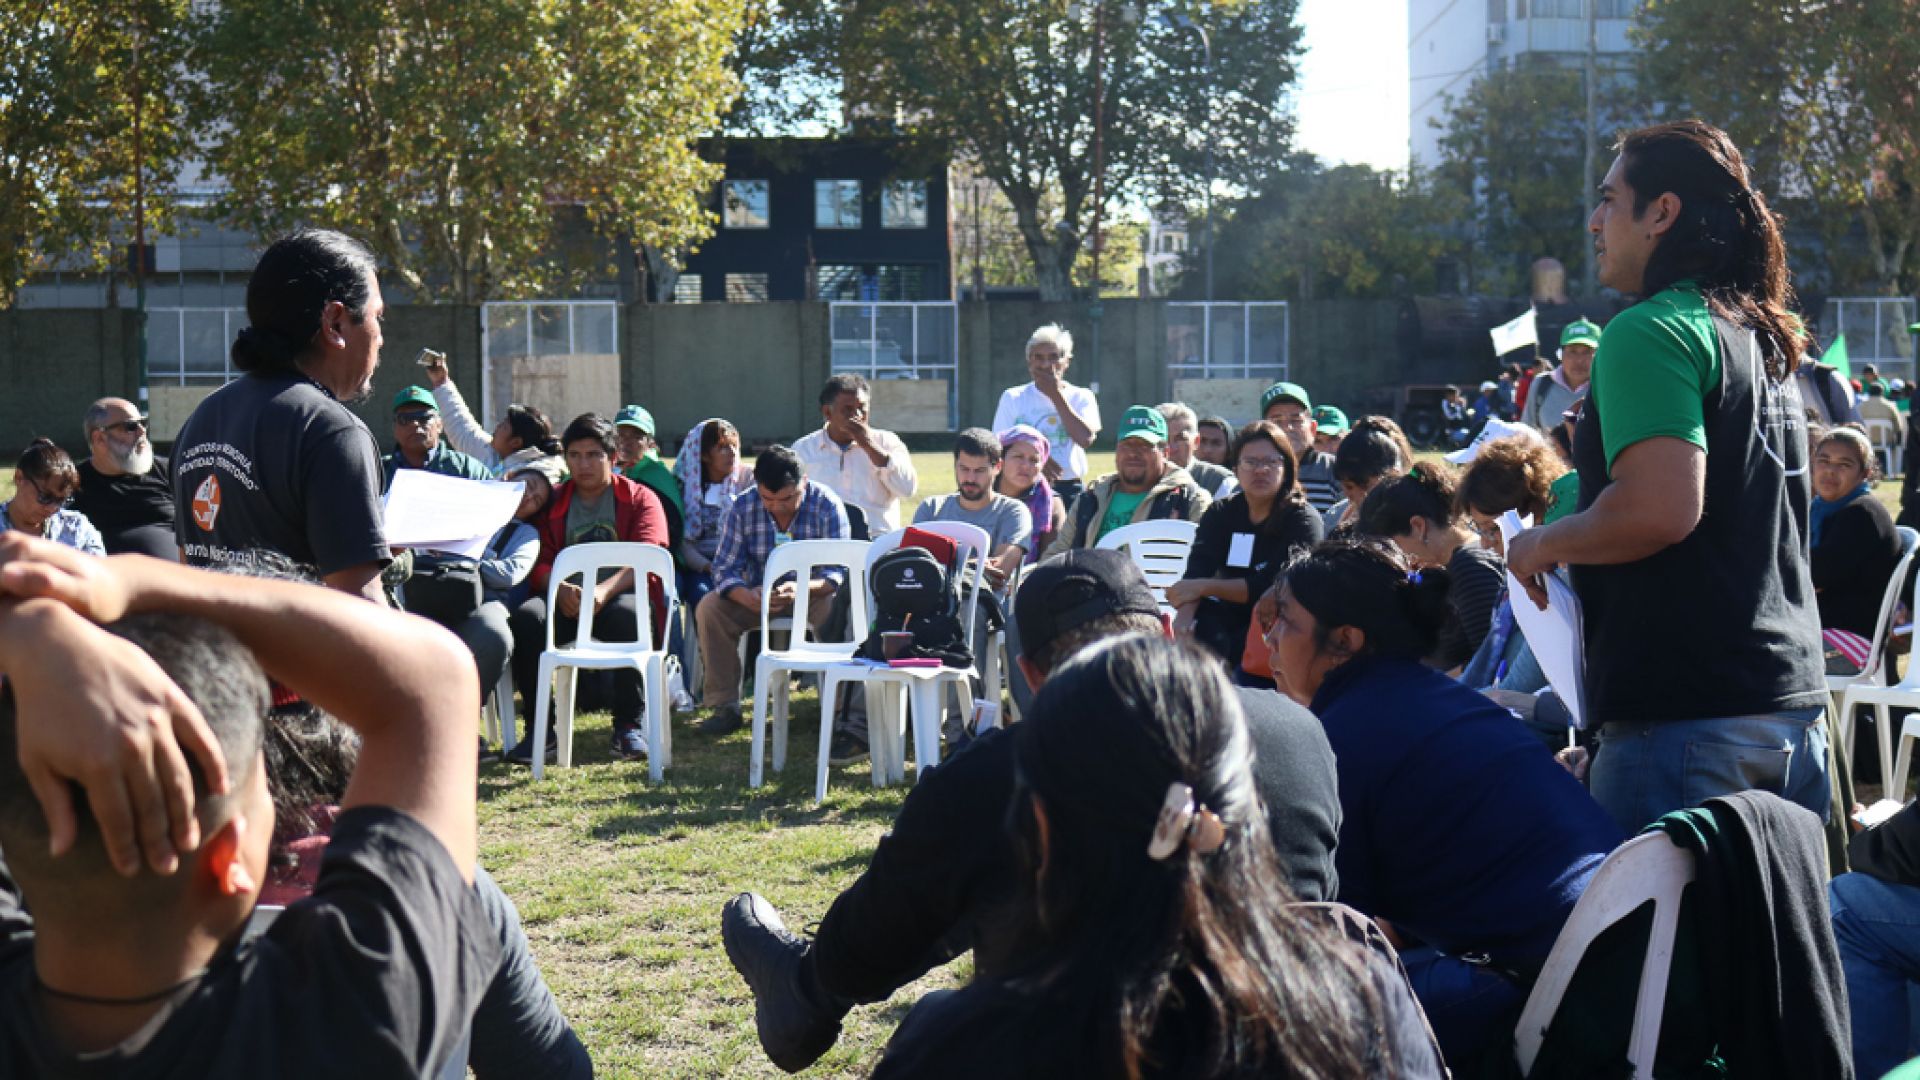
1450,43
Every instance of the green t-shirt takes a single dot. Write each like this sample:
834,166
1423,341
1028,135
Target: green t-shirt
592,522
1120,508
1657,362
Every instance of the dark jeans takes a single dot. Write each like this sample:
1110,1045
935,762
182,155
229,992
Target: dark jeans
517,1028
617,621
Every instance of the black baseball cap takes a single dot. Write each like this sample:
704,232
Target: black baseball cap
1061,595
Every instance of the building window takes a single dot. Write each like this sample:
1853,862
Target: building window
743,204
897,283
686,289
836,282
746,288
904,205
1172,243
1496,11
836,204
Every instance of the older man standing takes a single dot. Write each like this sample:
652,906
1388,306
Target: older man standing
866,467
1145,486
1550,396
1068,415
126,489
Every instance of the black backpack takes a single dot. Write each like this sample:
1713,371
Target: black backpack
915,591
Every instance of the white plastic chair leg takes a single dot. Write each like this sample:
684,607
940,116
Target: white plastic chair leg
658,720
925,712
542,701
569,679
1903,758
756,765
503,711
779,696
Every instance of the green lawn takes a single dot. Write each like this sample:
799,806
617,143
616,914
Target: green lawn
620,883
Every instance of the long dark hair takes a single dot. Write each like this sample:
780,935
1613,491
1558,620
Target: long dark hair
1427,491
1269,432
1374,448
1203,958
1726,238
1370,584
300,274
533,429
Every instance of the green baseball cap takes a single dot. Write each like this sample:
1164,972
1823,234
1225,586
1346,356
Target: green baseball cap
413,395
1285,391
1330,420
1580,332
1143,422
635,417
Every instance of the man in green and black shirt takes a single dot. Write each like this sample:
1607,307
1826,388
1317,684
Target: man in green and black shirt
1689,549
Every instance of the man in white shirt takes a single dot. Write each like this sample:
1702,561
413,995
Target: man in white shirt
865,466
1066,414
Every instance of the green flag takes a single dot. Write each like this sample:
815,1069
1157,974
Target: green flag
1837,357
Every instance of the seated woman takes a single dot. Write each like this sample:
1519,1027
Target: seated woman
711,477
1458,829
1517,473
1134,780
1855,548
44,481
1242,543
1024,454
521,436
1374,451
1417,513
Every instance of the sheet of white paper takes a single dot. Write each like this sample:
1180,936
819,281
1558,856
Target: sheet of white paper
1554,635
1240,551
446,513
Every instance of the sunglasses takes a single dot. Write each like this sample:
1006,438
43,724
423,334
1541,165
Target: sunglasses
135,426
40,493
418,417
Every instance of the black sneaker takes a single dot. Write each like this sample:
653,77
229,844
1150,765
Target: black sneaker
725,721
522,752
794,1027
629,743
846,748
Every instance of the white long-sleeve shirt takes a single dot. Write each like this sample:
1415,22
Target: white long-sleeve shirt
850,474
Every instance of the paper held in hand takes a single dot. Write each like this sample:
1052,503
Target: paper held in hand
1554,635
446,513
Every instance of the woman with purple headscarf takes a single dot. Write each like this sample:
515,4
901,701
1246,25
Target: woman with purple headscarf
1023,478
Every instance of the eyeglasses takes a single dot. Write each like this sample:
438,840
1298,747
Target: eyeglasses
135,426
415,417
40,493
1261,464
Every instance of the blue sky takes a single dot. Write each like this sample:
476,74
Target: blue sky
1351,102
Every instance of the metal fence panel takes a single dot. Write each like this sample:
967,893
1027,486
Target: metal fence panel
561,356
901,341
1876,331
1227,340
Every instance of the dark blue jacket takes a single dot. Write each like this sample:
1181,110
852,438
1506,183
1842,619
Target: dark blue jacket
1458,826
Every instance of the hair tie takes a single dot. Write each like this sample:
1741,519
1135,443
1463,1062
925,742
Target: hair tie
1185,823
1413,577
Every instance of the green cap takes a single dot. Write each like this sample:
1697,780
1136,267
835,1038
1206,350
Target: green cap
1580,332
634,416
1330,420
1143,422
413,395
1285,391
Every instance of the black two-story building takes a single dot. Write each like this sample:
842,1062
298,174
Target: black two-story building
823,219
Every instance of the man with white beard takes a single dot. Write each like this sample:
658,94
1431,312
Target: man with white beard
125,489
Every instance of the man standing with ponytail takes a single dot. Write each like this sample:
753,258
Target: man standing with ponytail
1689,550
274,460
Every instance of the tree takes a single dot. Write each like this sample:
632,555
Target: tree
1516,145
1313,232
1010,85
1823,100
68,87
449,135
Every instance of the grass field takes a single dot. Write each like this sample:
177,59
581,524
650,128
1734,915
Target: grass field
620,883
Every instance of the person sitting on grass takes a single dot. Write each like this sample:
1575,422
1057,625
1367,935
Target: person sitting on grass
1459,830
135,822
1854,547
936,883
44,483
1373,451
1417,513
1133,780
597,505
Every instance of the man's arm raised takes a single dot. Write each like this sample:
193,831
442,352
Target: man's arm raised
382,672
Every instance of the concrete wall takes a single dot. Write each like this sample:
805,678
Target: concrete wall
760,365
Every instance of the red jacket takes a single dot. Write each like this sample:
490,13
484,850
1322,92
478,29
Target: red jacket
637,516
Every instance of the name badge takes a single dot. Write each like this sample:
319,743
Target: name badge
1240,551
782,538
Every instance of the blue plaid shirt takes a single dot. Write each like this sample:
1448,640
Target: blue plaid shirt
748,535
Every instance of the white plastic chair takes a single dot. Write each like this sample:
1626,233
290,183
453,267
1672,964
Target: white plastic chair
1885,439
1905,695
497,713
1903,759
1158,548
586,561
925,687
1647,867
1878,662
800,558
